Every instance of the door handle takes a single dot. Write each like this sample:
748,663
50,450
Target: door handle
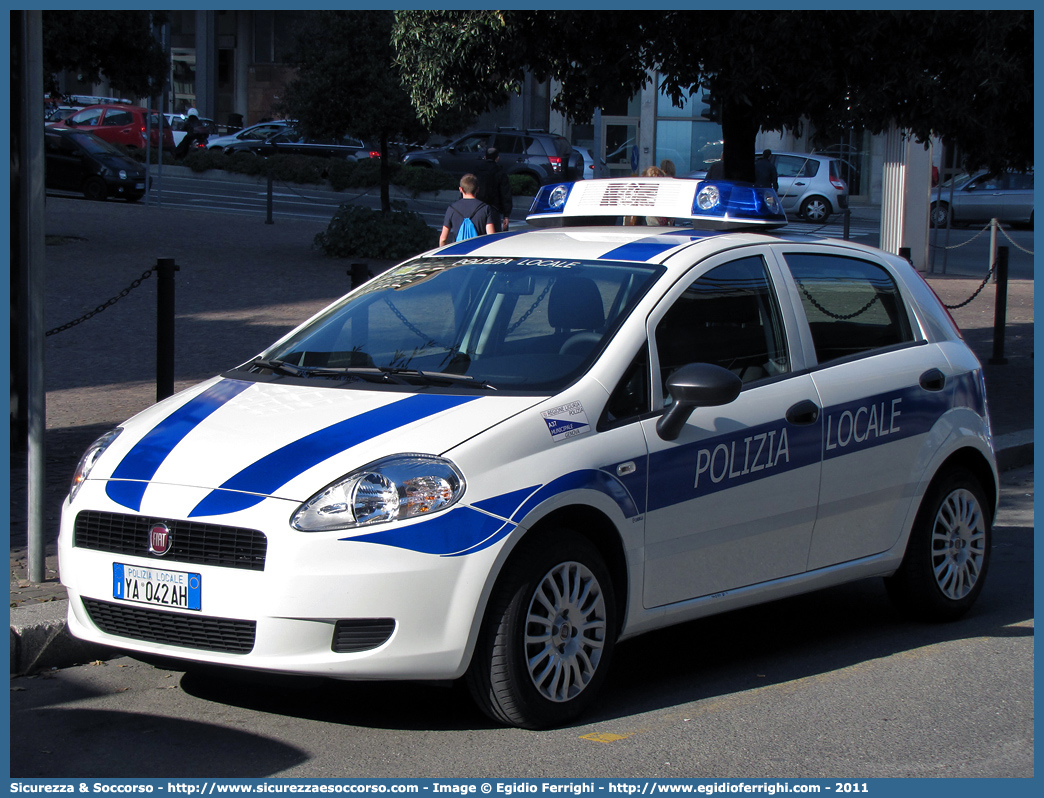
803,413
933,380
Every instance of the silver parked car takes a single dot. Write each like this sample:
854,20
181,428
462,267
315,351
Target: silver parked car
810,185
1007,197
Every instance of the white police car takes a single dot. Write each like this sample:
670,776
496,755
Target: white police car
502,457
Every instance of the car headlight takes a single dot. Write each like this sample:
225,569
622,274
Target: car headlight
90,459
390,489
123,174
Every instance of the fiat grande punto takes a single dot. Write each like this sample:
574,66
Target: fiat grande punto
498,459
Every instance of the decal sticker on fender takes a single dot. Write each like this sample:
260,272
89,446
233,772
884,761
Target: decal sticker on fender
566,421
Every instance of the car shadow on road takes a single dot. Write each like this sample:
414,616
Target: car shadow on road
772,644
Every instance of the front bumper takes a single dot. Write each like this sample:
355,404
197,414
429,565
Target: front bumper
322,605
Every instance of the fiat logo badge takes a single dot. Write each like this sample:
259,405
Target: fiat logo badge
160,539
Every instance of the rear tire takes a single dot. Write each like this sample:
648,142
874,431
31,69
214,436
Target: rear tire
815,209
939,215
548,635
948,553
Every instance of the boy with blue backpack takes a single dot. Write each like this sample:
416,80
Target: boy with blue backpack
467,217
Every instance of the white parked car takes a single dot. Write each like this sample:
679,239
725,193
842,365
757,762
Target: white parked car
503,456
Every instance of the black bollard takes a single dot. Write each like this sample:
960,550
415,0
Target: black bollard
269,219
848,225
165,268
1000,308
359,274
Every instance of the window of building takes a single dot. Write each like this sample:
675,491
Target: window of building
684,135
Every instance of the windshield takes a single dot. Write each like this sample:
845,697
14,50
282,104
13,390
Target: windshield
524,324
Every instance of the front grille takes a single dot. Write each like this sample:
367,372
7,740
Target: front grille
361,634
173,629
205,544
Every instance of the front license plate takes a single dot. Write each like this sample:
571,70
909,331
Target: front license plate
176,589
139,186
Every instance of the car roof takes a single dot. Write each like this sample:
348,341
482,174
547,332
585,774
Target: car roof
652,245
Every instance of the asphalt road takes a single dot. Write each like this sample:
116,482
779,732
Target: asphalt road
829,685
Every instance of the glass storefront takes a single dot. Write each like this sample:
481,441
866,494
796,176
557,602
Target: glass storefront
685,136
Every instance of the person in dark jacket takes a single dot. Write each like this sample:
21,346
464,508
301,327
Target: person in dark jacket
494,187
765,172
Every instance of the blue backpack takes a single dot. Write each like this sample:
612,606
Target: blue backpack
466,230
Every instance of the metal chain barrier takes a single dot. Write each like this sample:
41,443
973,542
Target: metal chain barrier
532,307
102,307
1005,233
965,243
414,329
978,291
838,316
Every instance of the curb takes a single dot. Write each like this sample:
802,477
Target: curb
40,639
1014,450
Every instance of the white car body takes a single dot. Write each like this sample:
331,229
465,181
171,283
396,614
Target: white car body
783,506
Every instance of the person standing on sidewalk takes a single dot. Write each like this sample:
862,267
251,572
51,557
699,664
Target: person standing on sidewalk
765,172
467,207
494,186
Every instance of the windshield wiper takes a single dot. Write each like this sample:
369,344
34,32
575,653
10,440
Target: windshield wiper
440,376
277,367
382,374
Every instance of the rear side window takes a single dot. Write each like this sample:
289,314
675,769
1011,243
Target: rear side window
1022,182
796,166
853,306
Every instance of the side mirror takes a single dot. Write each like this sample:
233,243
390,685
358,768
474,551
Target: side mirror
692,386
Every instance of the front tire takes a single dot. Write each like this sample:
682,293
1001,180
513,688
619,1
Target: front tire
95,189
948,553
548,635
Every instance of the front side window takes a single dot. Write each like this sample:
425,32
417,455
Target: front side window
728,317
118,118
88,116
852,306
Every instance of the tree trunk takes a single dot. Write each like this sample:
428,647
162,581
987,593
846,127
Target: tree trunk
739,132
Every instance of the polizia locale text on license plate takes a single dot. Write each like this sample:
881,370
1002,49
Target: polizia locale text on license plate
154,586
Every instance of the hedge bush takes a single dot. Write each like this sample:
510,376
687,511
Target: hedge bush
359,232
424,178
523,184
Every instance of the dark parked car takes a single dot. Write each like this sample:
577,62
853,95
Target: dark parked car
121,124
1007,197
76,160
545,157
290,141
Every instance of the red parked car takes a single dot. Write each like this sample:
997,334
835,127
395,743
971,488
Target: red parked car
118,123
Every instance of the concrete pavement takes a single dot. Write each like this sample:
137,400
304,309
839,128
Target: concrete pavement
242,284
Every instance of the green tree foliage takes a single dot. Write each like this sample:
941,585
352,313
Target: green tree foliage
966,76
347,83
121,45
